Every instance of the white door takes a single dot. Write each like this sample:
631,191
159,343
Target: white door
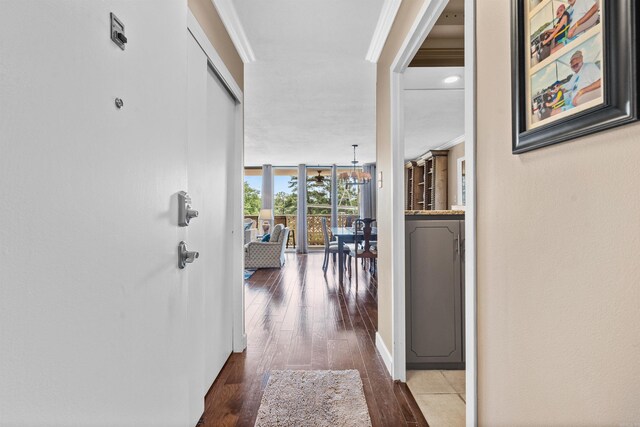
218,287
93,307
211,142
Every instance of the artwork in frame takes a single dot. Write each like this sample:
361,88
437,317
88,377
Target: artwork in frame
574,69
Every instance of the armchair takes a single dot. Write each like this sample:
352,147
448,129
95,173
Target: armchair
267,254
250,231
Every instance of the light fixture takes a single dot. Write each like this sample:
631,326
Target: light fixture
266,215
355,176
319,179
452,79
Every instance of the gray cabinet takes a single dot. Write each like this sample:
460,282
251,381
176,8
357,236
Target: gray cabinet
435,293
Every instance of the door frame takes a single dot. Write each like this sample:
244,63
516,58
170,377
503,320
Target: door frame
237,243
423,24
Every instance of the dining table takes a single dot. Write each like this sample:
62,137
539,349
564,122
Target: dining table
347,235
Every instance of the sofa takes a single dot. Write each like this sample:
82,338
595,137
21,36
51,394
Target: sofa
267,254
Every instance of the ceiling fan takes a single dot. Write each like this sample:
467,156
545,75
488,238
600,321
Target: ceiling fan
319,179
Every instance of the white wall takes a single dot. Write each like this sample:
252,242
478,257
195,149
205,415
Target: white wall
455,154
92,304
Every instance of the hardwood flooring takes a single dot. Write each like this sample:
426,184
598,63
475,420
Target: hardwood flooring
296,318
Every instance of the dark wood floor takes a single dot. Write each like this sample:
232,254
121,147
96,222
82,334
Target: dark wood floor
296,318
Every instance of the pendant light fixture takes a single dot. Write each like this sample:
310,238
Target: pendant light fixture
356,176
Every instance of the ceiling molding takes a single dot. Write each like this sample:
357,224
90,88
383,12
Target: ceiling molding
234,27
383,27
438,57
454,141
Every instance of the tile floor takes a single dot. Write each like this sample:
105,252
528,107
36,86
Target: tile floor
440,395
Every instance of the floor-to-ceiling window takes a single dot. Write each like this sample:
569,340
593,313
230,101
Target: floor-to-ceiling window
252,192
285,200
285,189
318,203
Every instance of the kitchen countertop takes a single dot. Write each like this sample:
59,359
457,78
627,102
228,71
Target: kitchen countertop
442,212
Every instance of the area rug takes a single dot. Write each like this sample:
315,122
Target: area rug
313,398
248,273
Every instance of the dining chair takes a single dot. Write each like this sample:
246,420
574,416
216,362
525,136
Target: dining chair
348,221
329,246
373,244
373,262
362,248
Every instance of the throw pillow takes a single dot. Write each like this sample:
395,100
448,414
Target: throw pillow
266,237
247,226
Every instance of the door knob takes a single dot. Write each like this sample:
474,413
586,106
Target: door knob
184,256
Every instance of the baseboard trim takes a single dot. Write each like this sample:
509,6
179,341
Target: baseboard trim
385,354
242,346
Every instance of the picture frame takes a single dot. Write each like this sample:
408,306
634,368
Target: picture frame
568,83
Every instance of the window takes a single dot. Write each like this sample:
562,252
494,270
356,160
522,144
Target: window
285,191
318,203
252,189
347,201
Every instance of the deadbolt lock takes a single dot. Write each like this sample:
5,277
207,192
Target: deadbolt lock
117,32
185,213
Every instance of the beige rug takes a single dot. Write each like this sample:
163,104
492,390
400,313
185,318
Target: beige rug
313,398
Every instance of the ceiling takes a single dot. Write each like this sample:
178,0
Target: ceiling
310,93
434,110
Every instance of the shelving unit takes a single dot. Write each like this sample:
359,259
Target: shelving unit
426,182
418,189
409,185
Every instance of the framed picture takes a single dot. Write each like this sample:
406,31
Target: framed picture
574,69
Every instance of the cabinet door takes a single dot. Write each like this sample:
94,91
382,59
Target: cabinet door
434,299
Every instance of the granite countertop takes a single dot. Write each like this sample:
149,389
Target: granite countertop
443,212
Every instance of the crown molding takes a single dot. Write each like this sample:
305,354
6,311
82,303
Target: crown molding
454,141
234,27
383,27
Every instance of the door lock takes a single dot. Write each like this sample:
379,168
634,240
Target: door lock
184,256
185,213
117,32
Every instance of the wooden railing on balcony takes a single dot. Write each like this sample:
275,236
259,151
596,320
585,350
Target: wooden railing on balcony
314,226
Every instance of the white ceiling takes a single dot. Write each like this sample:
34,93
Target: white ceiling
310,94
434,110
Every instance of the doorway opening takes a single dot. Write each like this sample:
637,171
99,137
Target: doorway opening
427,181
